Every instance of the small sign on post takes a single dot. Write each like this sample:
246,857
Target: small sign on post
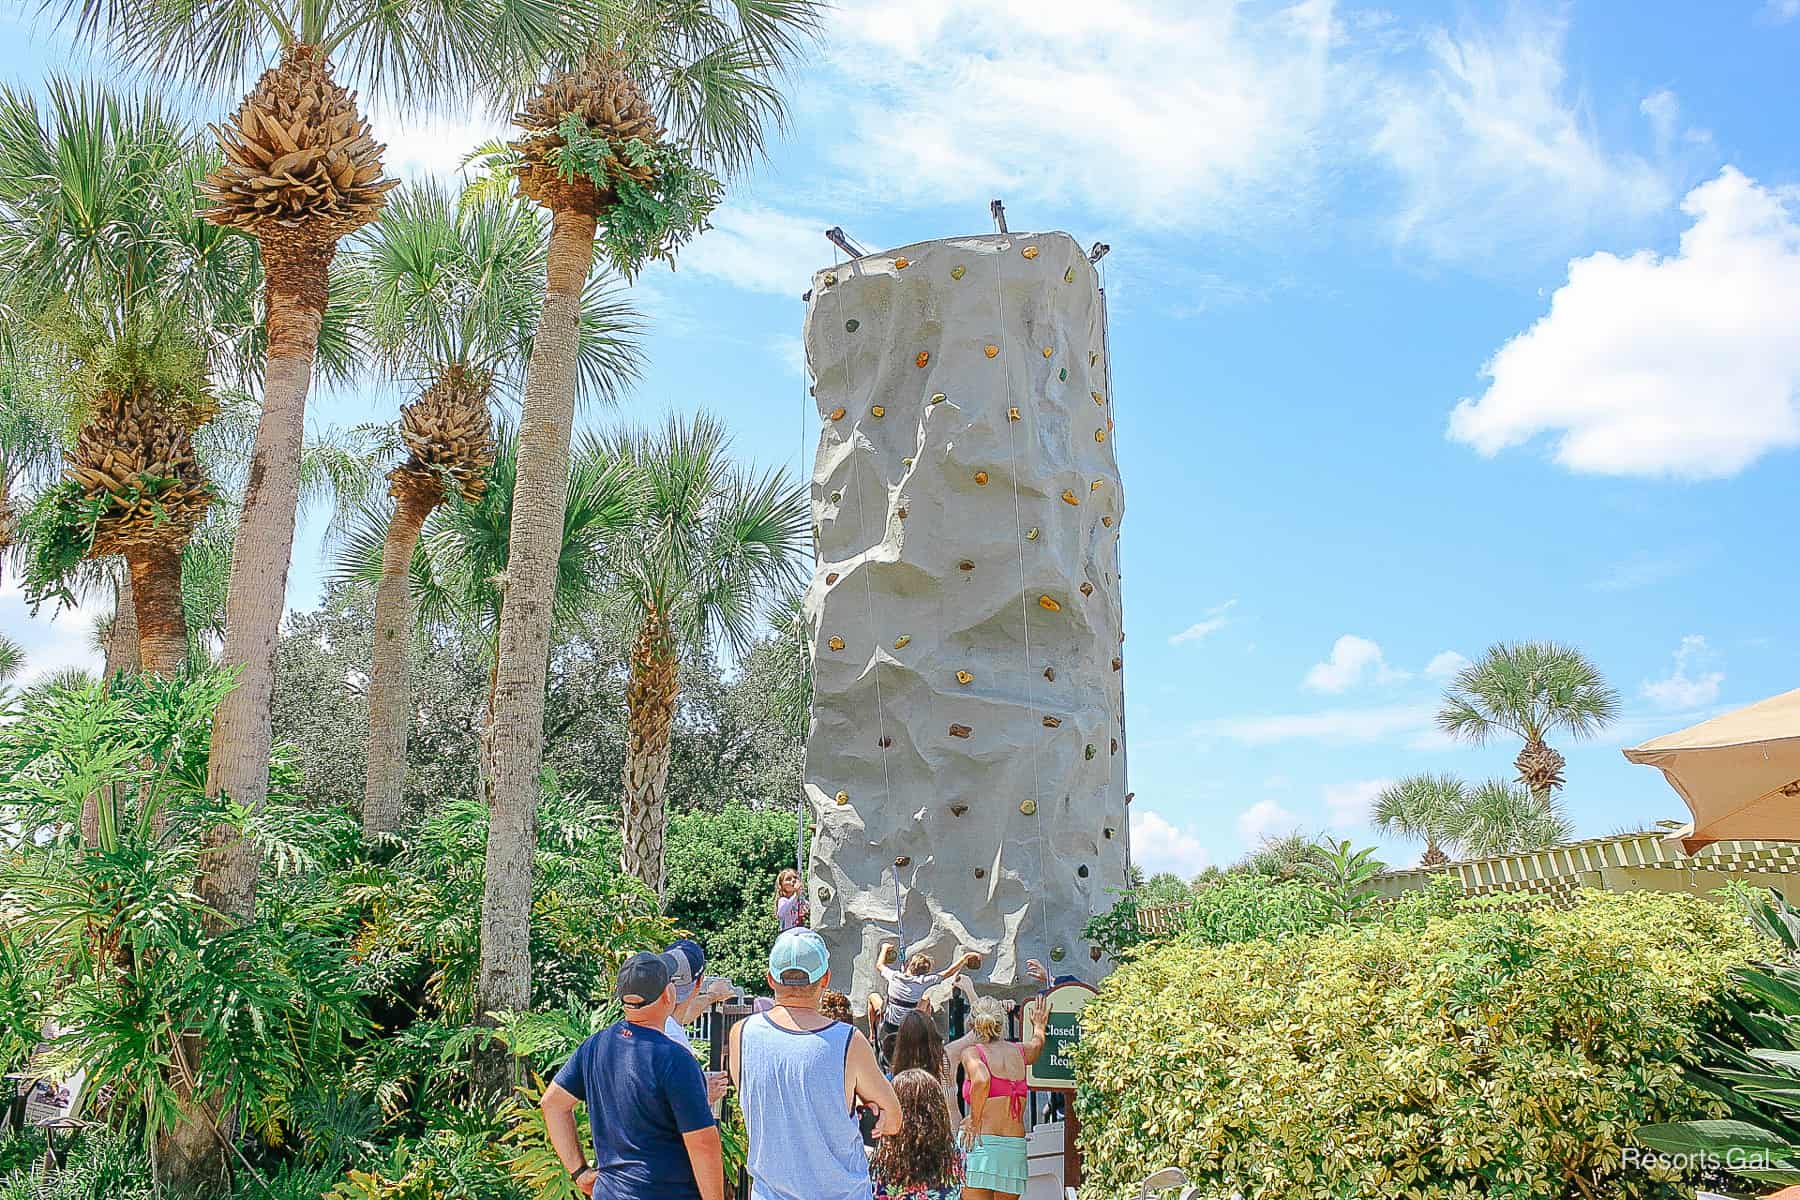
1054,1070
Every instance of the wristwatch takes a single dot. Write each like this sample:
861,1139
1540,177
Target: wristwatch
578,1172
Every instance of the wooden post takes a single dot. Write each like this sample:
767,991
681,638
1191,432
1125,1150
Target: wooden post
1071,1151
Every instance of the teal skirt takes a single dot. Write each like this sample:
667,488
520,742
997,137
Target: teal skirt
996,1163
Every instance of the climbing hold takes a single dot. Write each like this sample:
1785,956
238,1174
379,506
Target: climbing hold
1029,252
852,325
906,462
836,496
1031,535
1028,807
1094,953
966,565
1050,674
924,357
837,414
824,893
1087,589
1099,434
1106,521
900,264
964,678
1118,664
1082,871
981,872
836,643
843,797
990,350
1093,358
900,512
884,742
1012,414
1089,752
830,278
1108,831
1115,745
905,860
1070,497
937,398
1052,722
901,642
981,478
1094,486
1049,604
831,577
1069,275
957,810
1062,375
876,411
956,272
1049,350
960,731
1098,399
1057,954
1109,424
1130,796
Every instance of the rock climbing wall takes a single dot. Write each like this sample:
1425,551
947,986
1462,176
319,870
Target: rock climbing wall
966,761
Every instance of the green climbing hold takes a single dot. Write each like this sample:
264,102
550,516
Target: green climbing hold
1090,752
1063,375
852,325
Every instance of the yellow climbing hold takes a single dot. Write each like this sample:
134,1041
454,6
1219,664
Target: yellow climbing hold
843,797
964,678
981,478
876,411
1049,604
1028,807
837,414
924,357
1087,589
1049,350
1106,521
1099,434
836,643
1098,398
990,350
830,278
938,397
1070,497
1069,275
900,264
901,641
906,462
956,272
1031,535
1029,252
1012,414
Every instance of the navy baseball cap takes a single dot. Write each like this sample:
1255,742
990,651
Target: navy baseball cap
690,964
643,978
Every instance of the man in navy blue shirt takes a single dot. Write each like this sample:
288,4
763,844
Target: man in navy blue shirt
654,1135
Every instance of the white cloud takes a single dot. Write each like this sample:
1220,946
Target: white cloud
427,144
1354,660
1444,664
1157,844
1338,725
760,249
1689,684
1167,113
1780,11
1493,155
1262,819
1347,804
1683,365
54,640
1211,621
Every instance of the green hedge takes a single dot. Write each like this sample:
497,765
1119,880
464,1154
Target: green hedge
1497,1052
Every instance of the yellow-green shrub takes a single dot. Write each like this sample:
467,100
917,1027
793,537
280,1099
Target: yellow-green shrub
1498,1052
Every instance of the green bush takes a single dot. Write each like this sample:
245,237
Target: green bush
1240,908
1493,1053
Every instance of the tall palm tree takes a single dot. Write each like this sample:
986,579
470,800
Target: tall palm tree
12,660
301,171
1424,808
452,292
710,546
1530,690
1498,817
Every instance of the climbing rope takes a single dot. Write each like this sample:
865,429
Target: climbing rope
1115,714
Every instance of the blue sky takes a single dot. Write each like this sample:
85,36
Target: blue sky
1431,327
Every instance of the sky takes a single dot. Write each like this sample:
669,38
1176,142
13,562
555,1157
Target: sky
1432,326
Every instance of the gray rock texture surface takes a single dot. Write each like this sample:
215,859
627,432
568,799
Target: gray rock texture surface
965,609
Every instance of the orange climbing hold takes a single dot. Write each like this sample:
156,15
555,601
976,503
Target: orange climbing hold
900,264
960,731
837,414
1029,252
1070,497
1052,722
924,357
981,478
836,643
990,350
1049,604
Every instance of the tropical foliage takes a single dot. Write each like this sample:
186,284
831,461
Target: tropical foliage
1494,1052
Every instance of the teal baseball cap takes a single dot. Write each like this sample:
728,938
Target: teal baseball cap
798,958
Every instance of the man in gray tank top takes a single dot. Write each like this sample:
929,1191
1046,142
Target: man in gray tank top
800,1077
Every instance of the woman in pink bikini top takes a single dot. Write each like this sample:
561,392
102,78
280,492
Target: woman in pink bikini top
995,1090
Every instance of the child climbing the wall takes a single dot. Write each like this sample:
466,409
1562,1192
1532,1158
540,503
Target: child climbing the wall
907,988
790,905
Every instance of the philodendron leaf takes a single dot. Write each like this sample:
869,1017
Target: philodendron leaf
1718,1138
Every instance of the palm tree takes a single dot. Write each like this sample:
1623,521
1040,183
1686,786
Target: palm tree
1504,818
1530,690
671,91
709,546
301,171
12,660
1423,808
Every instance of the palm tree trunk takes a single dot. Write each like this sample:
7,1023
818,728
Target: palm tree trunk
650,716
515,749
390,666
156,595
254,600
